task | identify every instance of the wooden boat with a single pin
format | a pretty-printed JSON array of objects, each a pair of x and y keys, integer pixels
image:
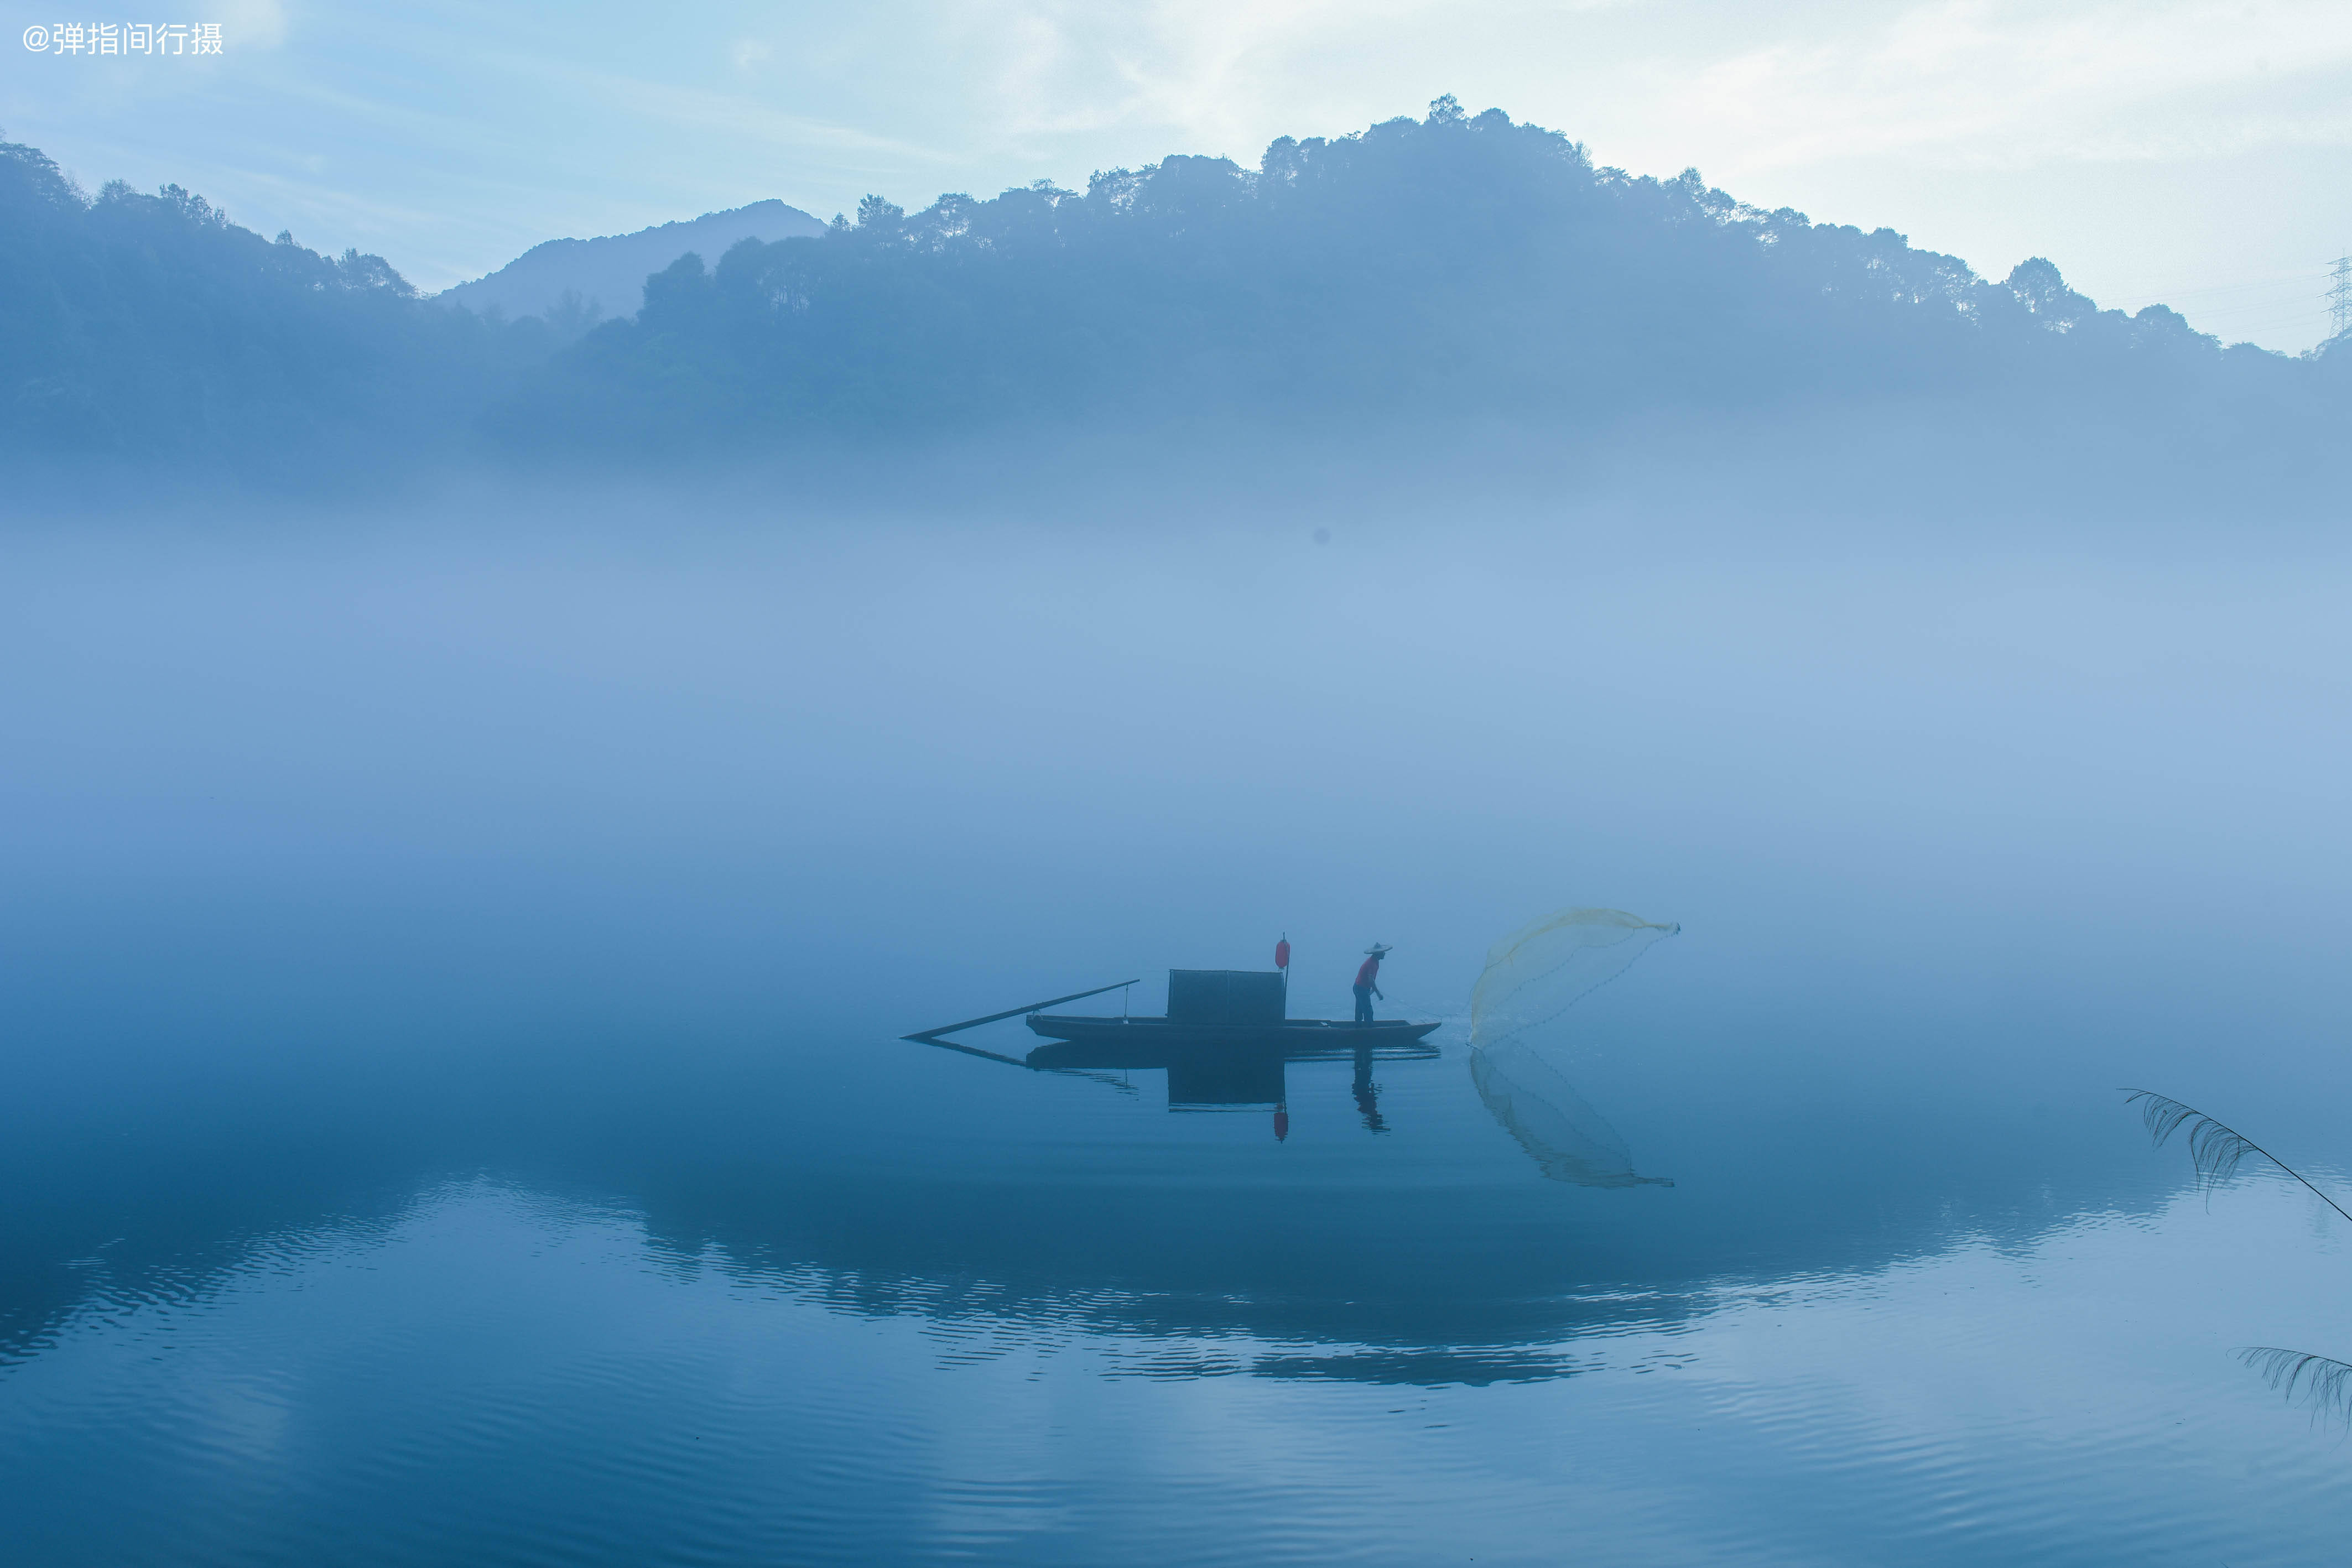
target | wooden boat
[
  {"x": 1224, "y": 1043},
  {"x": 1212, "y": 1013},
  {"x": 1226, "y": 1010}
]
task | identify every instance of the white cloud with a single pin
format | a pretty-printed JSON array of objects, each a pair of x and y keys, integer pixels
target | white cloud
[
  {"x": 1964, "y": 82},
  {"x": 249, "y": 23},
  {"x": 1983, "y": 84}
]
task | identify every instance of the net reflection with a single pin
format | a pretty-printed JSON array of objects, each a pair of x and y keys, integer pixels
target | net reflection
[{"x": 1566, "y": 1138}]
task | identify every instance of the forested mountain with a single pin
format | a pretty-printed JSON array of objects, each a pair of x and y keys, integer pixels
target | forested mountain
[
  {"x": 607, "y": 277},
  {"x": 1456, "y": 260},
  {"x": 152, "y": 330},
  {"x": 1460, "y": 266}
]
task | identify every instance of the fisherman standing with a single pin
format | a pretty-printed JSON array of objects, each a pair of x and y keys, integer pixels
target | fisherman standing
[{"x": 1367, "y": 981}]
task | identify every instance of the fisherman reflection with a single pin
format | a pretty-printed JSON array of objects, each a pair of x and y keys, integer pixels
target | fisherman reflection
[{"x": 1368, "y": 1094}]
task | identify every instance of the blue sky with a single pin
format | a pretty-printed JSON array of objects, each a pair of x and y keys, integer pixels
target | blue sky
[{"x": 2190, "y": 152}]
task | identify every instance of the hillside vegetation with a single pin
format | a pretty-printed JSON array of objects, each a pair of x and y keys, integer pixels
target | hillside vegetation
[{"x": 1456, "y": 266}]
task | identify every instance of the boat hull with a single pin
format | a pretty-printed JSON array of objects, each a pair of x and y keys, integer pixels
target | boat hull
[{"x": 1298, "y": 1039}]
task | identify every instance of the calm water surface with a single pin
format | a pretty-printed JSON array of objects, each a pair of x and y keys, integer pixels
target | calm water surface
[{"x": 456, "y": 1113}]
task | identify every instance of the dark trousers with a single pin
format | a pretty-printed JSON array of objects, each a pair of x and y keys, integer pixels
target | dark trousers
[{"x": 1363, "y": 1004}]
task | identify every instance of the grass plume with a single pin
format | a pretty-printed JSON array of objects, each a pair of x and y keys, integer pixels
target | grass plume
[
  {"x": 2323, "y": 1382},
  {"x": 2215, "y": 1149}
]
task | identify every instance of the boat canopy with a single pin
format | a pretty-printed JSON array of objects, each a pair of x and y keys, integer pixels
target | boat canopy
[{"x": 1225, "y": 996}]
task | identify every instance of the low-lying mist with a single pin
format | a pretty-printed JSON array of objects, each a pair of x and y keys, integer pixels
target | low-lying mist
[
  {"x": 608, "y": 839},
  {"x": 537, "y": 754}
]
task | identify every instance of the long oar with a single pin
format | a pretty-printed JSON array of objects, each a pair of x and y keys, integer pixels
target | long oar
[{"x": 931, "y": 1035}]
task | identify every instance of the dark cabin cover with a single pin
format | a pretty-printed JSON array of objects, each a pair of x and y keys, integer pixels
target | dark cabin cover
[{"x": 1225, "y": 996}]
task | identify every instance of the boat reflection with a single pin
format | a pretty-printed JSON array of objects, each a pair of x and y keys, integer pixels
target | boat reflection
[{"x": 1213, "y": 1077}]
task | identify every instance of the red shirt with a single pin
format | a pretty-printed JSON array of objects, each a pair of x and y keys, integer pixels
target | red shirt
[{"x": 1371, "y": 973}]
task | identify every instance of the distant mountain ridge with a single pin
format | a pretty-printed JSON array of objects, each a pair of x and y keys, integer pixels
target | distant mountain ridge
[
  {"x": 611, "y": 272},
  {"x": 1454, "y": 273}
]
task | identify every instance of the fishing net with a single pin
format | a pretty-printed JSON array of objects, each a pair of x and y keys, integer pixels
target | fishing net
[{"x": 1532, "y": 978}]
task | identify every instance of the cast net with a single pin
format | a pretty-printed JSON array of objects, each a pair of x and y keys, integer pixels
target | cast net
[{"x": 1518, "y": 1039}]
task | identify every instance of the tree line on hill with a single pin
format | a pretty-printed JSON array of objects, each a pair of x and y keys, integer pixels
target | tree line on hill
[{"x": 1455, "y": 267}]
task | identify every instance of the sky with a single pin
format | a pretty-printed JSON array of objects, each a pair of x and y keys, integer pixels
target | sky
[{"x": 2182, "y": 151}]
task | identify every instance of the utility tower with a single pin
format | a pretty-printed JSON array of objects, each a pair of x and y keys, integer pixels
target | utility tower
[{"x": 2339, "y": 297}]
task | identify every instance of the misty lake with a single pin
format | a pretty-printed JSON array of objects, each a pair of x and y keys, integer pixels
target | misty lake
[{"x": 457, "y": 1111}]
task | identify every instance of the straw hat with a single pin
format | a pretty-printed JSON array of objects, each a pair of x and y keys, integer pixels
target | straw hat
[{"x": 1377, "y": 948}]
